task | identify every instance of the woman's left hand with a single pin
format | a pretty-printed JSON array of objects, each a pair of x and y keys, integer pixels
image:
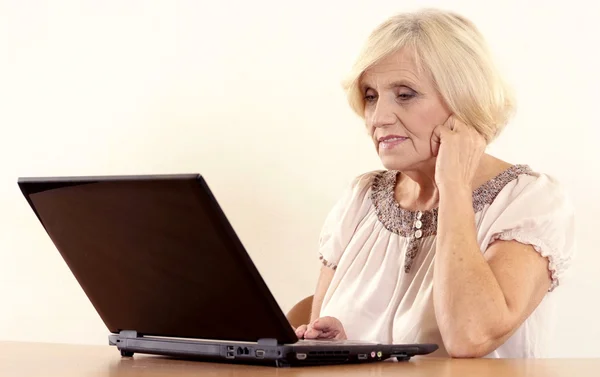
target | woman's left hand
[
  {"x": 322, "y": 328},
  {"x": 458, "y": 148}
]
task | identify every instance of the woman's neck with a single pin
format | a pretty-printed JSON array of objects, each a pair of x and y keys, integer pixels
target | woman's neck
[{"x": 416, "y": 189}]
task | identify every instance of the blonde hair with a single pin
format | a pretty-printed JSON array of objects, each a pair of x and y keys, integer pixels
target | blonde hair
[{"x": 454, "y": 53}]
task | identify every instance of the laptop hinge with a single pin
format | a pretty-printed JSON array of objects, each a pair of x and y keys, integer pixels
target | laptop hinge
[
  {"x": 128, "y": 334},
  {"x": 270, "y": 342}
]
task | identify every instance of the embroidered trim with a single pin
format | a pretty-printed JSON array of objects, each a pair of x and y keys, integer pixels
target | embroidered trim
[
  {"x": 326, "y": 263},
  {"x": 487, "y": 192},
  {"x": 402, "y": 221}
]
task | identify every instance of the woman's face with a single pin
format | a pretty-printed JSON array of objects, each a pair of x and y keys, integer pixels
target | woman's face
[{"x": 402, "y": 108}]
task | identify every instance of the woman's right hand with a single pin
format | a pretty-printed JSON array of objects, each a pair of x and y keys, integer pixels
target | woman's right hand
[{"x": 324, "y": 328}]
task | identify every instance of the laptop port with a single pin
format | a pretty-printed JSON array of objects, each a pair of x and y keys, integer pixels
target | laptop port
[
  {"x": 230, "y": 355},
  {"x": 362, "y": 356},
  {"x": 301, "y": 356},
  {"x": 260, "y": 354}
]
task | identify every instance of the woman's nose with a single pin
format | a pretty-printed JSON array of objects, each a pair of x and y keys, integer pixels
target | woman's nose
[{"x": 383, "y": 114}]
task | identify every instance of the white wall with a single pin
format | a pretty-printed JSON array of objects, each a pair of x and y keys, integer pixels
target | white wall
[{"x": 247, "y": 93}]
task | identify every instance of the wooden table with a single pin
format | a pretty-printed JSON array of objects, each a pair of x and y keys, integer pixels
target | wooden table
[{"x": 49, "y": 360}]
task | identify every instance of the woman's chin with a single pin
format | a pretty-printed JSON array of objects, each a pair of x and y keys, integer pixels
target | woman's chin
[
  {"x": 393, "y": 162},
  {"x": 400, "y": 163}
]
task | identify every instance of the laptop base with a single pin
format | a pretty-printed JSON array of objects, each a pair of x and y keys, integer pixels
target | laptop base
[{"x": 266, "y": 352}]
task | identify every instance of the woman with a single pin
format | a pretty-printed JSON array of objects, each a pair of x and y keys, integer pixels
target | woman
[{"x": 448, "y": 244}]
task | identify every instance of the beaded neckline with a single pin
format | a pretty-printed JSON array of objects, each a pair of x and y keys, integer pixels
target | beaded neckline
[{"x": 419, "y": 224}]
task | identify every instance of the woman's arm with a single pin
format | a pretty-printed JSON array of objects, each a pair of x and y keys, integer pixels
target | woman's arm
[
  {"x": 323, "y": 282},
  {"x": 308, "y": 330},
  {"x": 481, "y": 299},
  {"x": 322, "y": 327}
]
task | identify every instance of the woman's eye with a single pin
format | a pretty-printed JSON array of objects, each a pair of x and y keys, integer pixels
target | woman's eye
[
  {"x": 405, "y": 96},
  {"x": 370, "y": 97}
]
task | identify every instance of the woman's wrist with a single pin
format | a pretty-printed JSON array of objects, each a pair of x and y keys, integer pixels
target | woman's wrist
[
  {"x": 455, "y": 217},
  {"x": 453, "y": 191}
]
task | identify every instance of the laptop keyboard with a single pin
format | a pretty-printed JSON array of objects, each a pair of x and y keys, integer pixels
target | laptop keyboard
[{"x": 309, "y": 342}]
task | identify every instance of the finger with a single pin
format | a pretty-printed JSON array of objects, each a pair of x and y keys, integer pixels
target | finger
[
  {"x": 326, "y": 324},
  {"x": 438, "y": 134},
  {"x": 329, "y": 334},
  {"x": 312, "y": 333},
  {"x": 451, "y": 123},
  {"x": 301, "y": 330}
]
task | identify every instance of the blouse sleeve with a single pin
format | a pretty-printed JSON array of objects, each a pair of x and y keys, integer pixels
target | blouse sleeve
[
  {"x": 535, "y": 210},
  {"x": 343, "y": 219}
]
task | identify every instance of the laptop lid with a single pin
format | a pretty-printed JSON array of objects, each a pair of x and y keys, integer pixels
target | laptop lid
[{"x": 156, "y": 255}]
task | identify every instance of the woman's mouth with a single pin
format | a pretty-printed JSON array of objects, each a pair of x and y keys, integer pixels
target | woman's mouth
[{"x": 390, "y": 141}]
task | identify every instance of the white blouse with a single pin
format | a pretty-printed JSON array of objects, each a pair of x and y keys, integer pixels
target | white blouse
[{"x": 383, "y": 256}]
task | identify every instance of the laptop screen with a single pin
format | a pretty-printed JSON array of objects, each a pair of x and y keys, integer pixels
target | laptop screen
[{"x": 157, "y": 256}]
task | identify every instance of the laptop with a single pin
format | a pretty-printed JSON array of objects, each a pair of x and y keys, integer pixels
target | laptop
[{"x": 167, "y": 274}]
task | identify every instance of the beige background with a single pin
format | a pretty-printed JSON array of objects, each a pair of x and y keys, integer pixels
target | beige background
[{"x": 247, "y": 93}]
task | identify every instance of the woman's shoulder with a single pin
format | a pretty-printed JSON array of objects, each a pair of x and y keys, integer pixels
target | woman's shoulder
[
  {"x": 532, "y": 201},
  {"x": 367, "y": 178},
  {"x": 356, "y": 196},
  {"x": 375, "y": 180},
  {"x": 363, "y": 183},
  {"x": 521, "y": 184}
]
